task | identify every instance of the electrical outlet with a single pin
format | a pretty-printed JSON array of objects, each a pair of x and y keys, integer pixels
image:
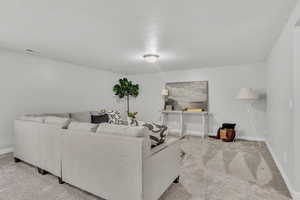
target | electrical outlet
[{"x": 285, "y": 157}]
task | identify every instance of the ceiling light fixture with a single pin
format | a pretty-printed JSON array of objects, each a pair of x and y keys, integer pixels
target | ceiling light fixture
[
  {"x": 29, "y": 50},
  {"x": 151, "y": 58}
]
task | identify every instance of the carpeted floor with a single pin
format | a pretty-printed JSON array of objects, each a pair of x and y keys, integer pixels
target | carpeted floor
[{"x": 211, "y": 170}]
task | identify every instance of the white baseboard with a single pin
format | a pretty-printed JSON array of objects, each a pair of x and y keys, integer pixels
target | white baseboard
[
  {"x": 295, "y": 195},
  {"x": 197, "y": 133},
  {"x": 252, "y": 138},
  {"x": 6, "y": 150},
  {"x": 244, "y": 137}
]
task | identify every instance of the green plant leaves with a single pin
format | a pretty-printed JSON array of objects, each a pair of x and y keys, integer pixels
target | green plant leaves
[
  {"x": 126, "y": 88},
  {"x": 132, "y": 114}
]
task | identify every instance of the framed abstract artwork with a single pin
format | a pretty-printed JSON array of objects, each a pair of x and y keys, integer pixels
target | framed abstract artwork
[{"x": 187, "y": 95}]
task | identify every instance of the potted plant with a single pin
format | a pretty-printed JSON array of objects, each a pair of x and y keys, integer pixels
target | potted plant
[
  {"x": 125, "y": 89},
  {"x": 131, "y": 119}
]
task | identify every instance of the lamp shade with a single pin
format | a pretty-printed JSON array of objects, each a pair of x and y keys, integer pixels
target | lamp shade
[
  {"x": 247, "y": 94},
  {"x": 164, "y": 92}
]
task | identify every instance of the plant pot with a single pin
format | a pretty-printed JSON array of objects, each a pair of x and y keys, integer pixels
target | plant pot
[{"x": 132, "y": 121}]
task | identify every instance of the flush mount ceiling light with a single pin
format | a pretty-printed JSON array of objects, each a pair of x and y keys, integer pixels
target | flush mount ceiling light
[
  {"x": 29, "y": 50},
  {"x": 151, "y": 58}
]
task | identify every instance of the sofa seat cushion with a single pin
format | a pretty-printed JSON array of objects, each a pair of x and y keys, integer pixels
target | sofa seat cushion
[
  {"x": 82, "y": 126},
  {"x": 57, "y": 121},
  {"x": 113, "y": 129}
]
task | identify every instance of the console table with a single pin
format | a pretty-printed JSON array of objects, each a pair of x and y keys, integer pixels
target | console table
[{"x": 181, "y": 115}]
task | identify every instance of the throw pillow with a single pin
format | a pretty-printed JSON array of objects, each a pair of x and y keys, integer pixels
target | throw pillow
[
  {"x": 98, "y": 119},
  {"x": 114, "y": 117},
  {"x": 158, "y": 133}
]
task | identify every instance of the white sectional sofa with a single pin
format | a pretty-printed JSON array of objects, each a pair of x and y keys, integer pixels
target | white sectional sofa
[{"x": 111, "y": 166}]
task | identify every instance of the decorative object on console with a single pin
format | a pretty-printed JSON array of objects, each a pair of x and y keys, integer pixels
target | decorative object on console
[
  {"x": 169, "y": 107},
  {"x": 126, "y": 88},
  {"x": 196, "y": 105},
  {"x": 164, "y": 92},
  {"x": 194, "y": 110},
  {"x": 169, "y": 104}
]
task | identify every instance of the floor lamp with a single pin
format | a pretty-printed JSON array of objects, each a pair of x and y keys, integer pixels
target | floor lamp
[{"x": 249, "y": 96}]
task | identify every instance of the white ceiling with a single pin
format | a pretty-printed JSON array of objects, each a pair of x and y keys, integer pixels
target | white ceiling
[{"x": 115, "y": 34}]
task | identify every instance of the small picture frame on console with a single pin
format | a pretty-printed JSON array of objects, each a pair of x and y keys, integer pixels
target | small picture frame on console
[{"x": 169, "y": 107}]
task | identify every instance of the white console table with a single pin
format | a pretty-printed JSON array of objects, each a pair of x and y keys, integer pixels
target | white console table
[{"x": 203, "y": 117}]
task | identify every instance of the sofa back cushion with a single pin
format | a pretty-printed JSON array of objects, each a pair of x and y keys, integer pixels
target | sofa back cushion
[
  {"x": 82, "y": 126},
  {"x": 81, "y": 116},
  {"x": 30, "y": 118},
  {"x": 62, "y": 115},
  {"x": 113, "y": 129},
  {"x": 59, "y": 121}
]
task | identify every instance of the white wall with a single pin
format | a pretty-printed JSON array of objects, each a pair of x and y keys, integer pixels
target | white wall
[
  {"x": 296, "y": 113},
  {"x": 30, "y": 84},
  {"x": 283, "y": 120},
  {"x": 224, "y": 84}
]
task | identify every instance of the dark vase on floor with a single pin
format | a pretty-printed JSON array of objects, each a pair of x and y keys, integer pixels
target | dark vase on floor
[
  {"x": 230, "y": 135},
  {"x": 228, "y": 132}
]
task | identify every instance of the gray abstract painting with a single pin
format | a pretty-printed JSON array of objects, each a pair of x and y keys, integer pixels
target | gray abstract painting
[{"x": 192, "y": 95}]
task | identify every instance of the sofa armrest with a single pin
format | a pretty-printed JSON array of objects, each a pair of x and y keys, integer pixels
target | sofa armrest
[{"x": 161, "y": 168}]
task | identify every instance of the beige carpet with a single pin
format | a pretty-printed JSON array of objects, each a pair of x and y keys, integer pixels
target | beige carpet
[{"x": 211, "y": 170}]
